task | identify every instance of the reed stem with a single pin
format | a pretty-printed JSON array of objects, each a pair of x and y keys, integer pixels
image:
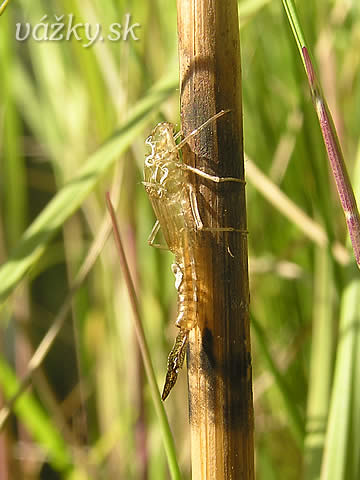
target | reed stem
[{"x": 219, "y": 360}]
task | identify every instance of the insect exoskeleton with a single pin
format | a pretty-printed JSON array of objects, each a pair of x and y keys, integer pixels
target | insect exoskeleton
[
  {"x": 162, "y": 170},
  {"x": 174, "y": 201},
  {"x": 187, "y": 288}
]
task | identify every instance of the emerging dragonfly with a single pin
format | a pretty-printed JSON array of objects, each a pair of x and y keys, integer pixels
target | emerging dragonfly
[{"x": 173, "y": 199}]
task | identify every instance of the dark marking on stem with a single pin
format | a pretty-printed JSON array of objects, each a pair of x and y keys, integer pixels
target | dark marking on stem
[{"x": 208, "y": 357}]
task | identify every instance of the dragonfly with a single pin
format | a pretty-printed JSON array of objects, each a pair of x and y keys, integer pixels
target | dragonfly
[{"x": 173, "y": 198}]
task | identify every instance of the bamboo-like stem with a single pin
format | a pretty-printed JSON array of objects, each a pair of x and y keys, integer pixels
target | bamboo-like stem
[{"x": 219, "y": 360}]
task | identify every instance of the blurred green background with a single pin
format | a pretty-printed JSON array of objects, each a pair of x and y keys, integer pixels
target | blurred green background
[{"x": 73, "y": 120}]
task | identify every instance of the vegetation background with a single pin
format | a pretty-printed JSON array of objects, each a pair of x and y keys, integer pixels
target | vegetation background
[{"x": 73, "y": 121}]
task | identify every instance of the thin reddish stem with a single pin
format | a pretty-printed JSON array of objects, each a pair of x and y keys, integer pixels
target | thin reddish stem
[{"x": 336, "y": 159}]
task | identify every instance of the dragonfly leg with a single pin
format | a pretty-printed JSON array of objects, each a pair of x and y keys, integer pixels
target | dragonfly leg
[
  {"x": 198, "y": 129},
  {"x": 195, "y": 209},
  {"x": 199, "y": 223},
  {"x": 213, "y": 178},
  {"x": 152, "y": 236}
]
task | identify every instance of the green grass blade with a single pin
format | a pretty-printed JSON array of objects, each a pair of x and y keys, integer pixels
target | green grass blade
[
  {"x": 36, "y": 420},
  {"x": 291, "y": 13},
  {"x": 3, "y": 6},
  {"x": 13, "y": 165},
  {"x": 290, "y": 405},
  {"x": 320, "y": 366},
  {"x": 336, "y": 465},
  {"x": 145, "y": 351},
  {"x": 70, "y": 197},
  {"x": 341, "y": 459}
]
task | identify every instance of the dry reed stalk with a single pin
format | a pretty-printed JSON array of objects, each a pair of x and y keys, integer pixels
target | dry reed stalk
[{"x": 219, "y": 360}]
